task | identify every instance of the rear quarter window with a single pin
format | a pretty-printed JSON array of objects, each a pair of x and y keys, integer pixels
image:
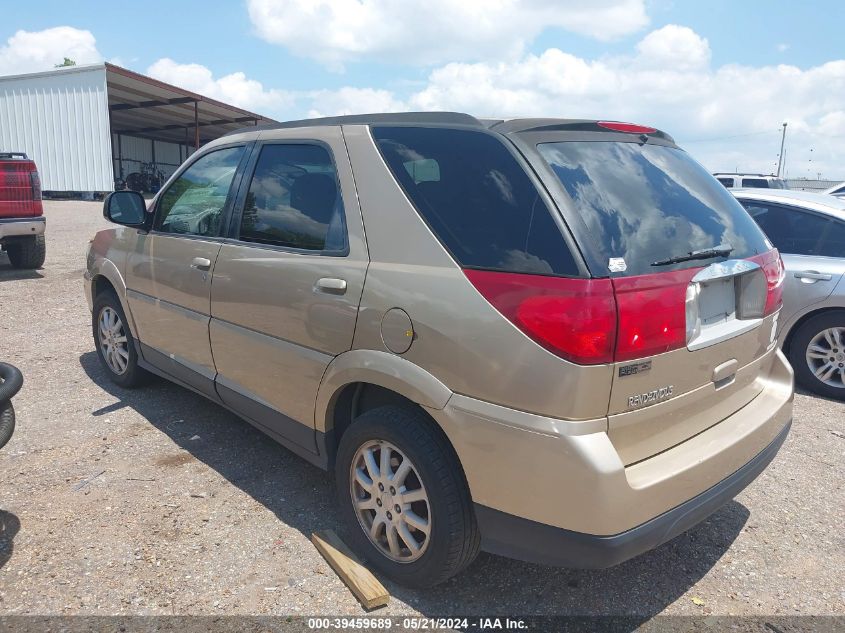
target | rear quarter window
[
  {"x": 476, "y": 198},
  {"x": 644, "y": 203}
]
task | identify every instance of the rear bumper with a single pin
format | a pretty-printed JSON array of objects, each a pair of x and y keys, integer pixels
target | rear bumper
[
  {"x": 515, "y": 537},
  {"x": 556, "y": 490},
  {"x": 16, "y": 227}
]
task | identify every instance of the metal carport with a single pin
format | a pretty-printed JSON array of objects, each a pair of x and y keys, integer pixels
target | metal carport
[
  {"x": 172, "y": 120},
  {"x": 89, "y": 126}
]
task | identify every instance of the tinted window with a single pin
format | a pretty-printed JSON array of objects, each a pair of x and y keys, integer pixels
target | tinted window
[
  {"x": 476, "y": 198},
  {"x": 798, "y": 232},
  {"x": 758, "y": 183},
  {"x": 194, "y": 203},
  {"x": 294, "y": 200},
  {"x": 645, "y": 203},
  {"x": 728, "y": 182},
  {"x": 833, "y": 244}
]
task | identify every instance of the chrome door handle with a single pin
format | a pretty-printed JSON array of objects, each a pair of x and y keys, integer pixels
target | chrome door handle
[
  {"x": 201, "y": 263},
  {"x": 812, "y": 275},
  {"x": 331, "y": 286}
]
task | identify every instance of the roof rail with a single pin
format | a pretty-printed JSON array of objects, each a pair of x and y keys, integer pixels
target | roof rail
[{"x": 422, "y": 118}]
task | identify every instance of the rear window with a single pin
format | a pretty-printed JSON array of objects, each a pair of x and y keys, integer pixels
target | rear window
[
  {"x": 645, "y": 203},
  {"x": 756, "y": 183},
  {"x": 476, "y": 198}
]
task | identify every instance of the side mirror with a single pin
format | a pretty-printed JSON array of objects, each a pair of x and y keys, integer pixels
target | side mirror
[{"x": 125, "y": 207}]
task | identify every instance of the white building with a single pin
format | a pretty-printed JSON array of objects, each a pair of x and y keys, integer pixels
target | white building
[{"x": 88, "y": 126}]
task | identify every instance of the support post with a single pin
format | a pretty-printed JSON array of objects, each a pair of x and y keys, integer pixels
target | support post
[
  {"x": 782, "y": 141},
  {"x": 196, "y": 126},
  {"x": 120, "y": 155}
]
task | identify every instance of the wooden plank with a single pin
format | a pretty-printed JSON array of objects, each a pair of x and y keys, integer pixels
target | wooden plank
[{"x": 366, "y": 587}]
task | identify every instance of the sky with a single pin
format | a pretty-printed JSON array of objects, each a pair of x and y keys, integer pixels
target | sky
[{"x": 721, "y": 77}]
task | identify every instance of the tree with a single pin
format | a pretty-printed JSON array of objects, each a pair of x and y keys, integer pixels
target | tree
[{"x": 68, "y": 62}]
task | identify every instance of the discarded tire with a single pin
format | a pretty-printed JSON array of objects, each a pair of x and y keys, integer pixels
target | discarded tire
[{"x": 11, "y": 381}]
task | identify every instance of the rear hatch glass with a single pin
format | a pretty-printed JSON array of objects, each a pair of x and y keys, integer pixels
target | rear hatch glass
[
  {"x": 643, "y": 203},
  {"x": 659, "y": 219}
]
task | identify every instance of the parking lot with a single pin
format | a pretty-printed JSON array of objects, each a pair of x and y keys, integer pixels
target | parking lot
[{"x": 160, "y": 502}]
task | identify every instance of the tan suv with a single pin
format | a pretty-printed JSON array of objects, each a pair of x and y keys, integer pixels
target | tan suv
[{"x": 544, "y": 338}]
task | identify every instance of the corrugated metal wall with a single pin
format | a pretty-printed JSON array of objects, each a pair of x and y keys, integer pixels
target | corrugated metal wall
[
  {"x": 135, "y": 151},
  {"x": 804, "y": 184},
  {"x": 61, "y": 120}
]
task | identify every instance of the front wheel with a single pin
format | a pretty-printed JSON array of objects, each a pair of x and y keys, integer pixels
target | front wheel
[
  {"x": 817, "y": 354},
  {"x": 403, "y": 497},
  {"x": 114, "y": 342}
]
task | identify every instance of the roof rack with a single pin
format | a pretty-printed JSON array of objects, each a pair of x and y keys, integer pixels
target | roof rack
[{"x": 437, "y": 118}]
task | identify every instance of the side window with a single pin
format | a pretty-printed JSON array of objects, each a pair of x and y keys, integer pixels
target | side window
[
  {"x": 194, "y": 203},
  {"x": 728, "y": 182},
  {"x": 476, "y": 198},
  {"x": 791, "y": 231},
  {"x": 833, "y": 243},
  {"x": 294, "y": 200}
]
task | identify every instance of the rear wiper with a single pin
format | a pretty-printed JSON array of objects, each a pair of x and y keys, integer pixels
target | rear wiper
[{"x": 704, "y": 253}]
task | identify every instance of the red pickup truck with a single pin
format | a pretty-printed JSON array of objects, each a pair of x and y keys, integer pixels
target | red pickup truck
[{"x": 22, "y": 219}]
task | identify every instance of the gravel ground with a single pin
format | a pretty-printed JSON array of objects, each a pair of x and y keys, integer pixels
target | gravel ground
[{"x": 160, "y": 502}]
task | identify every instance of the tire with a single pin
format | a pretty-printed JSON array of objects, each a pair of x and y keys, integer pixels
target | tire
[
  {"x": 7, "y": 422},
  {"x": 132, "y": 375},
  {"x": 28, "y": 252},
  {"x": 11, "y": 381},
  {"x": 453, "y": 540},
  {"x": 812, "y": 333}
]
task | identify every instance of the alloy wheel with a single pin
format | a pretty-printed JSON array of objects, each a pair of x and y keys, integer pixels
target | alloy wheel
[
  {"x": 826, "y": 356},
  {"x": 114, "y": 345},
  {"x": 390, "y": 501}
]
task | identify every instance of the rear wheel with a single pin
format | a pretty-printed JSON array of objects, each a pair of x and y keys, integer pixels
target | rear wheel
[
  {"x": 817, "y": 354},
  {"x": 114, "y": 342},
  {"x": 27, "y": 252},
  {"x": 403, "y": 496}
]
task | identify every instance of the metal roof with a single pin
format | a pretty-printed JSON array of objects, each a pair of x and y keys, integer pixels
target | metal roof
[
  {"x": 410, "y": 118},
  {"x": 504, "y": 126},
  {"x": 143, "y": 106}
]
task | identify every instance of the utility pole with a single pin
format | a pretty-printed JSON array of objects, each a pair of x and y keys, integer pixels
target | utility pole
[{"x": 782, "y": 141}]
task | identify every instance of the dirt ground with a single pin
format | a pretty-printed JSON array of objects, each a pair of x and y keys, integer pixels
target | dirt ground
[{"x": 160, "y": 502}]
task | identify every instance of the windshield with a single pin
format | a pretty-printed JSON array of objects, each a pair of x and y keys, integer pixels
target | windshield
[{"x": 648, "y": 203}]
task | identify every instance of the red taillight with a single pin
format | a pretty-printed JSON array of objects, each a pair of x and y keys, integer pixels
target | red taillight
[
  {"x": 772, "y": 265},
  {"x": 573, "y": 318},
  {"x": 595, "y": 321},
  {"x": 35, "y": 183},
  {"x": 652, "y": 313},
  {"x": 630, "y": 128}
]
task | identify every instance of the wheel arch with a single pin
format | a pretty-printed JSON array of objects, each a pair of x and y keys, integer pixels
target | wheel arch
[
  {"x": 361, "y": 380},
  {"x": 787, "y": 341},
  {"x": 106, "y": 276}
]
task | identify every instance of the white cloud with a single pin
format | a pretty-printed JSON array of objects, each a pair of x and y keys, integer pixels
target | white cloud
[
  {"x": 669, "y": 83},
  {"x": 353, "y": 101},
  {"x": 336, "y": 32},
  {"x": 32, "y": 51},
  {"x": 674, "y": 46},
  {"x": 728, "y": 117},
  {"x": 234, "y": 88}
]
